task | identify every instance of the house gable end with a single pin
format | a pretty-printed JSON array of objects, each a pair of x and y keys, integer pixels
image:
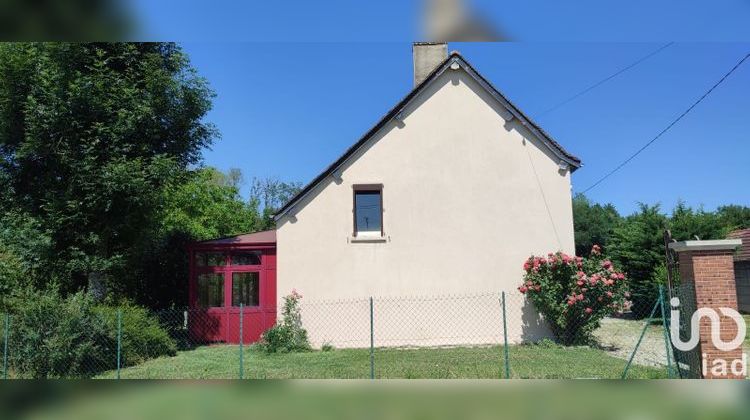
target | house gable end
[{"x": 455, "y": 62}]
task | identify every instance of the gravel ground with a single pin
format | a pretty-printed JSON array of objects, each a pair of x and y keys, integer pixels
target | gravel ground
[{"x": 620, "y": 336}]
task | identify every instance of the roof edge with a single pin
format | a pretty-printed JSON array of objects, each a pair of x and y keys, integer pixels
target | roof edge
[{"x": 554, "y": 146}]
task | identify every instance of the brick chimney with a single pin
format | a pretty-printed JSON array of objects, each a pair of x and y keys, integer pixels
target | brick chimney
[{"x": 427, "y": 56}]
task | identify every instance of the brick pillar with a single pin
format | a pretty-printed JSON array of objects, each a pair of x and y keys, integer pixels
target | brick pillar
[{"x": 708, "y": 267}]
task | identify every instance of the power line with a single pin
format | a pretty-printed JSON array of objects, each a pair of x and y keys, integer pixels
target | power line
[
  {"x": 608, "y": 78},
  {"x": 708, "y": 92}
]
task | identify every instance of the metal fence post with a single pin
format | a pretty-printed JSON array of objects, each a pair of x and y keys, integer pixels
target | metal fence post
[
  {"x": 5, "y": 346},
  {"x": 638, "y": 344},
  {"x": 505, "y": 340},
  {"x": 667, "y": 342},
  {"x": 242, "y": 357},
  {"x": 119, "y": 341},
  {"x": 372, "y": 341}
]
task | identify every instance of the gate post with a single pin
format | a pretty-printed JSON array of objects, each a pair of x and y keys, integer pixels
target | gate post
[
  {"x": 119, "y": 341},
  {"x": 372, "y": 341},
  {"x": 707, "y": 272},
  {"x": 242, "y": 357},
  {"x": 5, "y": 346}
]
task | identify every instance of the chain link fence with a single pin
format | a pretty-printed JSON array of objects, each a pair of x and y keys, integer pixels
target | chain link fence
[{"x": 483, "y": 336}]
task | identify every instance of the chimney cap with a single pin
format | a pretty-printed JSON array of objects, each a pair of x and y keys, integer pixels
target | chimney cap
[{"x": 428, "y": 43}]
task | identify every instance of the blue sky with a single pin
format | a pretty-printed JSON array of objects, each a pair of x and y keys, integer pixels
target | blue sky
[{"x": 287, "y": 110}]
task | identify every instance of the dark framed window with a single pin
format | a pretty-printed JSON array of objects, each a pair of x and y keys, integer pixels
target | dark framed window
[
  {"x": 245, "y": 289},
  {"x": 211, "y": 290},
  {"x": 368, "y": 210},
  {"x": 245, "y": 258}
]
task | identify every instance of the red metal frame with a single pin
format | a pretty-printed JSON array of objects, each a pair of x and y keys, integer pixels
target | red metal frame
[{"x": 221, "y": 324}]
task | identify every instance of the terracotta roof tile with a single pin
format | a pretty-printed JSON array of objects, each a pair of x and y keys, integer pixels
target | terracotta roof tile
[{"x": 743, "y": 254}]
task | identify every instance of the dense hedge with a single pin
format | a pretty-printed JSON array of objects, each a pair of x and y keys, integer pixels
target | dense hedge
[
  {"x": 59, "y": 338},
  {"x": 54, "y": 337}
]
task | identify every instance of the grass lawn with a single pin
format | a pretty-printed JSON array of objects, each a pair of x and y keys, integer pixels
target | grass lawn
[{"x": 527, "y": 361}]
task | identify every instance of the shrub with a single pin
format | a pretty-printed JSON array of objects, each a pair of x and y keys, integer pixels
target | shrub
[
  {"x": 59, "y": 338},
  {"x": 55, "y": 337},
  {"x": 143, "y": 337},
  {"x": 287, "y": 335},
  {"x": 574, "y": 293}
]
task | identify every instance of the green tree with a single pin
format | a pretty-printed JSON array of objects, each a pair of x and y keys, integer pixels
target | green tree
[
  {"x": 203, "y": 204},
  {"x": 734, "y": 217},
  {"x": 268, "y": 195},
  {"x": 90, "y": 135},
  {"x": 686, "y": 223},
  {"x": 637, "y": 246},
  {"x": 208, "y": 206},
  {"x": 593, "y": 223}
]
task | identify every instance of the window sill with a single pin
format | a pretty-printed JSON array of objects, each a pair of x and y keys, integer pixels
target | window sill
[{"x": 368, "y": 239}]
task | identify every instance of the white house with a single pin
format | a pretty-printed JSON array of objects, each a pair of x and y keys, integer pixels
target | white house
[{"x": 449, "y": 193}]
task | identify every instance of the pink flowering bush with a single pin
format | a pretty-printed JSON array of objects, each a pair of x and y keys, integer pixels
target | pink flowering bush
[
  {"x": 288, "y": 335},
  {"x": 574, "y": 293}
]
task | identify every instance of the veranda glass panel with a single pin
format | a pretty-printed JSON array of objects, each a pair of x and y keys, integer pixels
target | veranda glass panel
[
  {"x": 211, "y": 290},
  {"x": 246, "y": 258},
  {"x": 210, "y": 259},
  {"x": 245, "y": 287}
]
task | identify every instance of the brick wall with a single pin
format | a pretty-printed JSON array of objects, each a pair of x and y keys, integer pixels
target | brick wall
[{"x": 712, "y": 275}]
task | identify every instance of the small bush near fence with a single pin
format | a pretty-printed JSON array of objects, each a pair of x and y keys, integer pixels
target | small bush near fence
[
  {"x": 142, "y": 336},
  {"x": 54, "y": 337},
  {"x": 287, "y": 335}
]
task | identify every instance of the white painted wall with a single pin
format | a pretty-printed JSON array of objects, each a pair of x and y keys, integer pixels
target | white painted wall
[{"x": 467, "y": 198}]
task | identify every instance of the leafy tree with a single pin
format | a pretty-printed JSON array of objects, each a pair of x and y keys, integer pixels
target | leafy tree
[
  {"x": 269, "y": 195},
  {"x": 734, "y": 217},
  {"x": 686, "y": 223},
  {"x": 90, "y": 135},
  {"x": 593, "y": 223},
  {"x": 203, "y": 204},
  {"x": 637, "y": 247},
  {"x": 208, "y": 206},
  {"x": 25, "y": 248}
]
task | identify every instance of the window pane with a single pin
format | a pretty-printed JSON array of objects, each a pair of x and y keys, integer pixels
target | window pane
[
  {"x": 210, "y": 259},
  {"x": 245, "y": 289},
  {"x": 368, "y": 211},
  {"x": 246, "y": 258},
  {"x": 211, "y": 290}
]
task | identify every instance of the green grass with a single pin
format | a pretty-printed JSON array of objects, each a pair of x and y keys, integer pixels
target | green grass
[{"x": 527, "y": 361}]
